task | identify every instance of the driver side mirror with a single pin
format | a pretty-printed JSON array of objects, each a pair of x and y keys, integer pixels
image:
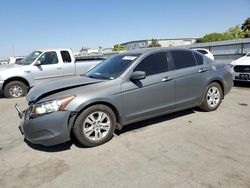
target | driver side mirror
[
  {"x": 138, "y": 75},
  {"x": 37, "y": 63}
]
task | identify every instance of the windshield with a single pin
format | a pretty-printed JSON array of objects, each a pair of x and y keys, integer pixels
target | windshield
[
  {"x": 30, "y": 58},
  {"x": 113, "y": 67}
]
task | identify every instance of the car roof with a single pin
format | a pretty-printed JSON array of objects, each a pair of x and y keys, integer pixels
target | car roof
[{"x": 148, "y": 50}]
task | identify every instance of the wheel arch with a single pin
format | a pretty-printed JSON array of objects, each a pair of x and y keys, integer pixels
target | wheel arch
[
  {"x": 21, "y": 79},
  {"x": 81, "y": 108}
]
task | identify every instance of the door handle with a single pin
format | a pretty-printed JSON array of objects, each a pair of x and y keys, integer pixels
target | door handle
[
  {"x": 166, "y": 79},
  {"x": 59, "y": 68},
  {"x": 203, "y": 70}
]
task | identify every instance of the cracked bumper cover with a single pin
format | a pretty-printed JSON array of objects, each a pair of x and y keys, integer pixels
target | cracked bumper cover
[{"x": 49, "y": 129}]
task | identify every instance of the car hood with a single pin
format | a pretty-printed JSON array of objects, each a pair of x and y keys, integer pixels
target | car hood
[
  {"x": 49, "y": 88},
  {"x": 242, "y": 61},
  {"x": 9, "y": 66}
]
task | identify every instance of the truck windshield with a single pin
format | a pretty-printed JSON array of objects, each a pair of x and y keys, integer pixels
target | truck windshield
[
  {"x": 113, "y": 67},
  {"x": 30, "y": 58}
]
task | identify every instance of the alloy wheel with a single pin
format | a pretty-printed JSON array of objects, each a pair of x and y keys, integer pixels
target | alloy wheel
[{"x": 96, "y": 126}]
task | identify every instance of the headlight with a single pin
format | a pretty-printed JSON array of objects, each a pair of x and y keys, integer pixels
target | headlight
[{"x": 51, "y": 106}]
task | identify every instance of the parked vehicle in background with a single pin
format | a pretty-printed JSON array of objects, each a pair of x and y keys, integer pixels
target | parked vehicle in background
[
  {"x": 13, "y": 60},
  {"x": 241, "y": 68},
  {"x": 126, "y": 88},
  {"x": 3, "y": 62},
  {"x": 41, "y": 66},
  {"x": 205, "y": 52}
]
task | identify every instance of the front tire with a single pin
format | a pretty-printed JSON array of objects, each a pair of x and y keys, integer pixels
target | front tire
[
  {"x": 213, "y": 97},
  {"x": 15, "y": 89},
  {"x": 95, "y": 126}
]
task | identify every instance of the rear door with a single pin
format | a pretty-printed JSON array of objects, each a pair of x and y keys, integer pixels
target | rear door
[
  {"x": 49, "y": 69},
  {"x": 191, "y": 77},
  {"x": 152, "y": 95}
]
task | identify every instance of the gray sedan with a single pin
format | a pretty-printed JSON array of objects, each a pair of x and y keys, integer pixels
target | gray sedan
[{"x": 126, "y": 88}]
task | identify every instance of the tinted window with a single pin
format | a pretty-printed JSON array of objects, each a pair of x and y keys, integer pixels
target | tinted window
[
  {"x": 66, "y": 56},
  {"x": 199, "y": 58},
  {"x": 153, "y": 64},
  {"x": 202, "y": 51},
  {"x": 183, "y": 59},
  {"x": 48, "y": 58}
]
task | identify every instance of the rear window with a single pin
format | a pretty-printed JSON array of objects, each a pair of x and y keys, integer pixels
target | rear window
[
  {"x": 183, "y": 59},
  {"x": 199, "y": 58},
  {"x": 66, "y": 57},
  {"x": 202, "y": 51}
]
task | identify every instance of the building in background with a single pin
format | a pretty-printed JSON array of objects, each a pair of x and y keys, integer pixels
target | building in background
[{"x": 163, "y": 42}]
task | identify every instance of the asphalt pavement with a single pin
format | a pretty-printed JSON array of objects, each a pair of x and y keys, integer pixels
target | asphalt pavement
[{"x": 186, "y": 149}]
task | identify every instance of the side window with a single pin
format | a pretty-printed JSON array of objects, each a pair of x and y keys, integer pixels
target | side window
[
  {"x": 66, "y": 57},
  {"x": 199, "y": 58},
  {"x": 153, "y": 64},
  {"x": 183, "y": 59},
  {"x": 48, "y": 58}
]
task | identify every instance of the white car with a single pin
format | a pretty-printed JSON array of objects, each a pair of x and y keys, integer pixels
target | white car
[
  {"x": 241, "y": 68},
  {"x": 205, "y": 52}
]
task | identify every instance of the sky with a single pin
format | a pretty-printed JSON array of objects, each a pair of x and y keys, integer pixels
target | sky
[{"x": 27, "y": 25}]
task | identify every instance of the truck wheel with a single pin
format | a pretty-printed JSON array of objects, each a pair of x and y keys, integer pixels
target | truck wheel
[
  {"x": 15, "y": 89},
  {"x": 213, "y": 97},
  {"x": 95, "y": 126}
]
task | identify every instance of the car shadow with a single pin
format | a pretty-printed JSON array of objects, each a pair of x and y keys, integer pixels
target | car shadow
[
  {"x": 57, "y": 148},
  {"x": 128, "y": 128},
  {"x": 242, "y": 84}
]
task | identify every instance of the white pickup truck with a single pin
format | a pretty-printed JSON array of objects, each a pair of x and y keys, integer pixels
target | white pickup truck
[{"x": 41, "y": 66}]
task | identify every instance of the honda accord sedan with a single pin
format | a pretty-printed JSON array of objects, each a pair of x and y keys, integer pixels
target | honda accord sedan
[{"x": 126, "y": 88}]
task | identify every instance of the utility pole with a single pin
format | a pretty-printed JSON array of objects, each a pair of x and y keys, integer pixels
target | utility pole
[{"x": 13, "y": 50}]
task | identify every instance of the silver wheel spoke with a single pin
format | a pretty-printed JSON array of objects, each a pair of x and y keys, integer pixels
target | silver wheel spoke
[
  {"x": 104, "y": 128},
  {"x": 96, "y": 126},
  {"x": 88, "y": 133},
  {"x": 213, "y": 96},
  {"x": 88, "y": 120},
  {"x": 86, "y": 130},
  {"x": 15, "y": 91},
  {"x": 96, "y": 135}
]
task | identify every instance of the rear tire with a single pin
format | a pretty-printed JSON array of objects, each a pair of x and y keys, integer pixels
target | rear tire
[
  {"x": 15, "y": 89},
  {"x": 213, "y": 97},
  {"x": 95, "y": 126}
]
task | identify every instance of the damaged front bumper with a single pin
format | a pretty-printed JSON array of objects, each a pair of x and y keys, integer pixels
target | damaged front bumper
[{"x": 48, "y": 129}]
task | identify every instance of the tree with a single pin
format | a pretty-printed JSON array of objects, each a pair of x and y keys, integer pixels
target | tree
[
  {"x": 154, "y": 43},
  {"x": 246, "y": 28},
  {"x": 119, "y": 47},
  {"x": 211, "y": 37},
  {"x": 233, "y": 33}
]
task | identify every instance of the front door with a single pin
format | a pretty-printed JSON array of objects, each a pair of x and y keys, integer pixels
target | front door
[
  {"x": 153, "y": 95},
  {"x": 49, "y": 68}
]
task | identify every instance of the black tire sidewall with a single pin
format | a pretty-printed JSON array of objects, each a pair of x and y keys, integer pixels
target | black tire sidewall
[
  {"x": 13, "y": 83},
  {"x": 78, "y": 126}
]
